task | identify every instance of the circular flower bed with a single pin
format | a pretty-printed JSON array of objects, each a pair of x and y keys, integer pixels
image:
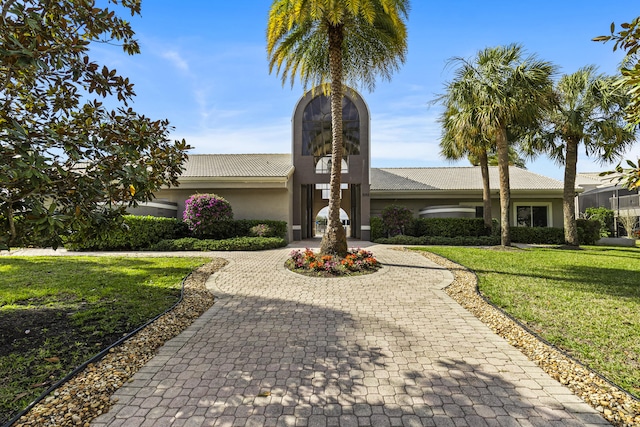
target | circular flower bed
[{"x": 356, "y": 262}]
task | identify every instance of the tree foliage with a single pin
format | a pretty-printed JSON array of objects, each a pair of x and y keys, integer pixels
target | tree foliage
[
  {"x": 627, "y": 38},
  {"x": 588, "y": 112},
  {"x": 502, "y": 94},
  {"x": 67, "y": 162}
]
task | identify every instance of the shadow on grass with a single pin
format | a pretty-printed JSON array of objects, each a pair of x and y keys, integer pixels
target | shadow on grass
[{"x": 56, "y": 313}]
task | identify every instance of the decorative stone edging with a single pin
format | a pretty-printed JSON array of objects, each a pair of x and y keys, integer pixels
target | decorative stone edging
[{"x": 616, "y": 405}]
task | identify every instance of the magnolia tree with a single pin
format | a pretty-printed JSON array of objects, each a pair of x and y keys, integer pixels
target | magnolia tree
[{"x": 67, "y": 162}]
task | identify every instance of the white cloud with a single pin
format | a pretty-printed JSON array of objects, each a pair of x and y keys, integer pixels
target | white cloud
[
  {"x": 412, "y": 139},
  {"x": 176, "y": 60},
  {"x": 271, "y": 138}
]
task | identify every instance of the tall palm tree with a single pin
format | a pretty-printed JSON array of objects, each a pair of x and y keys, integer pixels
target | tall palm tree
[
  {"x": 508, "y": 90},
  {"x": 461, "y": 139},
  {"x": 589, "y": 110},
  {"x": 331, "y": 43}
]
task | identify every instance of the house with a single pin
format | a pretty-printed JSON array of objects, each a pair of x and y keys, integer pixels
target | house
[
  {"x": 295, "y": 187},
  {"x": 604, "y": 191}
]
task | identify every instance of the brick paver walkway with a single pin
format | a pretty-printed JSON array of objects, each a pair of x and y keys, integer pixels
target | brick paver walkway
[{"x": 388, "y": 349}]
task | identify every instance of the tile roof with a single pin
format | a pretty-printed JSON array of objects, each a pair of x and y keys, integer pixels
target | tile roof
[
  {"x": 382, "y": 179},
  {"x": 238, "y": 165},
  {"x": 456, "y": 178},
  {"x": 594, "y": 180}
]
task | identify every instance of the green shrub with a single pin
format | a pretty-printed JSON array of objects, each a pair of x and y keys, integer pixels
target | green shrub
[
  {"x": 396, "y": 219},
  {"x": 588, "y": 234},
  {"x": 242, "y": 227},
  {"x": 233, "y": 244},
  {"x": 439, "y": 240},
  {"x": 203, "y": 213},
  {"x": 377, "y": 229},
  {"x": 135, "y": 233},
  {"x": 604, "y": 216},
  {"x": 449, "y": 227},
  {"x": 589, "y": 231},
  {"x": 537, "y": 235}
]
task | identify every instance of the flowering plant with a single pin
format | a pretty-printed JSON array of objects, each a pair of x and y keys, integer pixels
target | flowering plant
[
  {"x": 260, "y": 230},
  {"x": 202, "y": 211},
  {"x": 356, "y": 261}
]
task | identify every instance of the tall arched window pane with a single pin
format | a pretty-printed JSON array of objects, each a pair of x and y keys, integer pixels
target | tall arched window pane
[{"x": 316, "y": 129}]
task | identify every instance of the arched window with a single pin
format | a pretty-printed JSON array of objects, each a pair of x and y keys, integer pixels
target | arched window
[{"x": 316, "y": 131}]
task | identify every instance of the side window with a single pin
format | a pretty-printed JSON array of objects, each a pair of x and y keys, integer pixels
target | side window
[{"x": 532, "y": 215}]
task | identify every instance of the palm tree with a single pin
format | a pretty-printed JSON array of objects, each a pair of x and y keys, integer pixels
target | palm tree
[
  {"x": 508, "y": 90},
  {"x": 589, "y": 110},
  {"x": 460, "y": 138},
  {"x": 515, "y": 158},
  {"x": 331, "y": 43}
]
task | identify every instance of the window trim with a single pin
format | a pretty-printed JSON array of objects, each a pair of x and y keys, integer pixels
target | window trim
[{"x": 516, "y": 205}]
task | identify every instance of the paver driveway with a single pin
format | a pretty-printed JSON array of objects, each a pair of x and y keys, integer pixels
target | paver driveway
[{"x": 387, "y": 349}]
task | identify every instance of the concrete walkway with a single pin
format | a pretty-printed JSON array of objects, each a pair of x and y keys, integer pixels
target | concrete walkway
[{"x": 387, "y": 349}]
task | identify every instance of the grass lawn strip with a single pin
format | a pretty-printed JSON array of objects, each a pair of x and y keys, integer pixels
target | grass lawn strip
[
  {"x": 618, "y": 407},
  {"x": 57, "y": 312},
  {"x": 88, "y": 394}
]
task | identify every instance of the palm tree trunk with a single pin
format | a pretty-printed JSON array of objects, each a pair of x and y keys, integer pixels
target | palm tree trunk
[
  {"x": 569, "y": 194},
  {"x": 486, "y": 190},
  {"x": 334, "y": 241},
  {"x": 505, "y": 190}
]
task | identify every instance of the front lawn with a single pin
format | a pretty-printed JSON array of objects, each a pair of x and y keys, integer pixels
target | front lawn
[
  {"x": 586, "y": 302},
  {"x": 57, "y": 312}
]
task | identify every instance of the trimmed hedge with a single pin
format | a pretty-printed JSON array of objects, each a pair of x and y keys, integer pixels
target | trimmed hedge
[
  {"x": 436, "y": 227},
  {"x": 439, "y": 240},
  {"x": 228, "y": 229},
  {"x": 588, "y": 234},
  {"x": 136, "y": 233},
  {"x": 448, "y": 227},
  {"x": 144, "y": 232},
  {"x": 233, "y": 244},
  {"x": 471, "y": 232}
]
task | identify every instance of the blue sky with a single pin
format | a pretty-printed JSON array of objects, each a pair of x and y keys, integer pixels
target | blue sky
[{"x": 204, "y": 67}]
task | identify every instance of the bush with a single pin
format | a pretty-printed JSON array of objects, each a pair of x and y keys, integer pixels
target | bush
[
  {"x": 439, "y": 240},
  {"x": 233, "y": 244},
  {"x": 537, "y": 235},
  {"x": 135, "y": 233},
  {"x": 449, "y": 227},
  {"x": 396, "y": 219},
  {"x": 243, "y": 227},
  {"x": 203, "y": 214},
  {"x": 604, "y": 216},
  {"x": 589, "y": 231},
  {"x": 377, "y": 229},
  {"x": 588, "y": 234}
]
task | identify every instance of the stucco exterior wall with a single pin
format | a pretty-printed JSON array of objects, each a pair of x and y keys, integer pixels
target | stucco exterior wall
[
  {"x": 266, "y": 203},
  {"x": 417, "y": 203}
]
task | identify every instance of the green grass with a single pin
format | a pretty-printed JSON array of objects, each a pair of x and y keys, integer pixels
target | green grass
[
  {"x": 586, "y": 302},
  {"x": 57, "y": 312}
]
